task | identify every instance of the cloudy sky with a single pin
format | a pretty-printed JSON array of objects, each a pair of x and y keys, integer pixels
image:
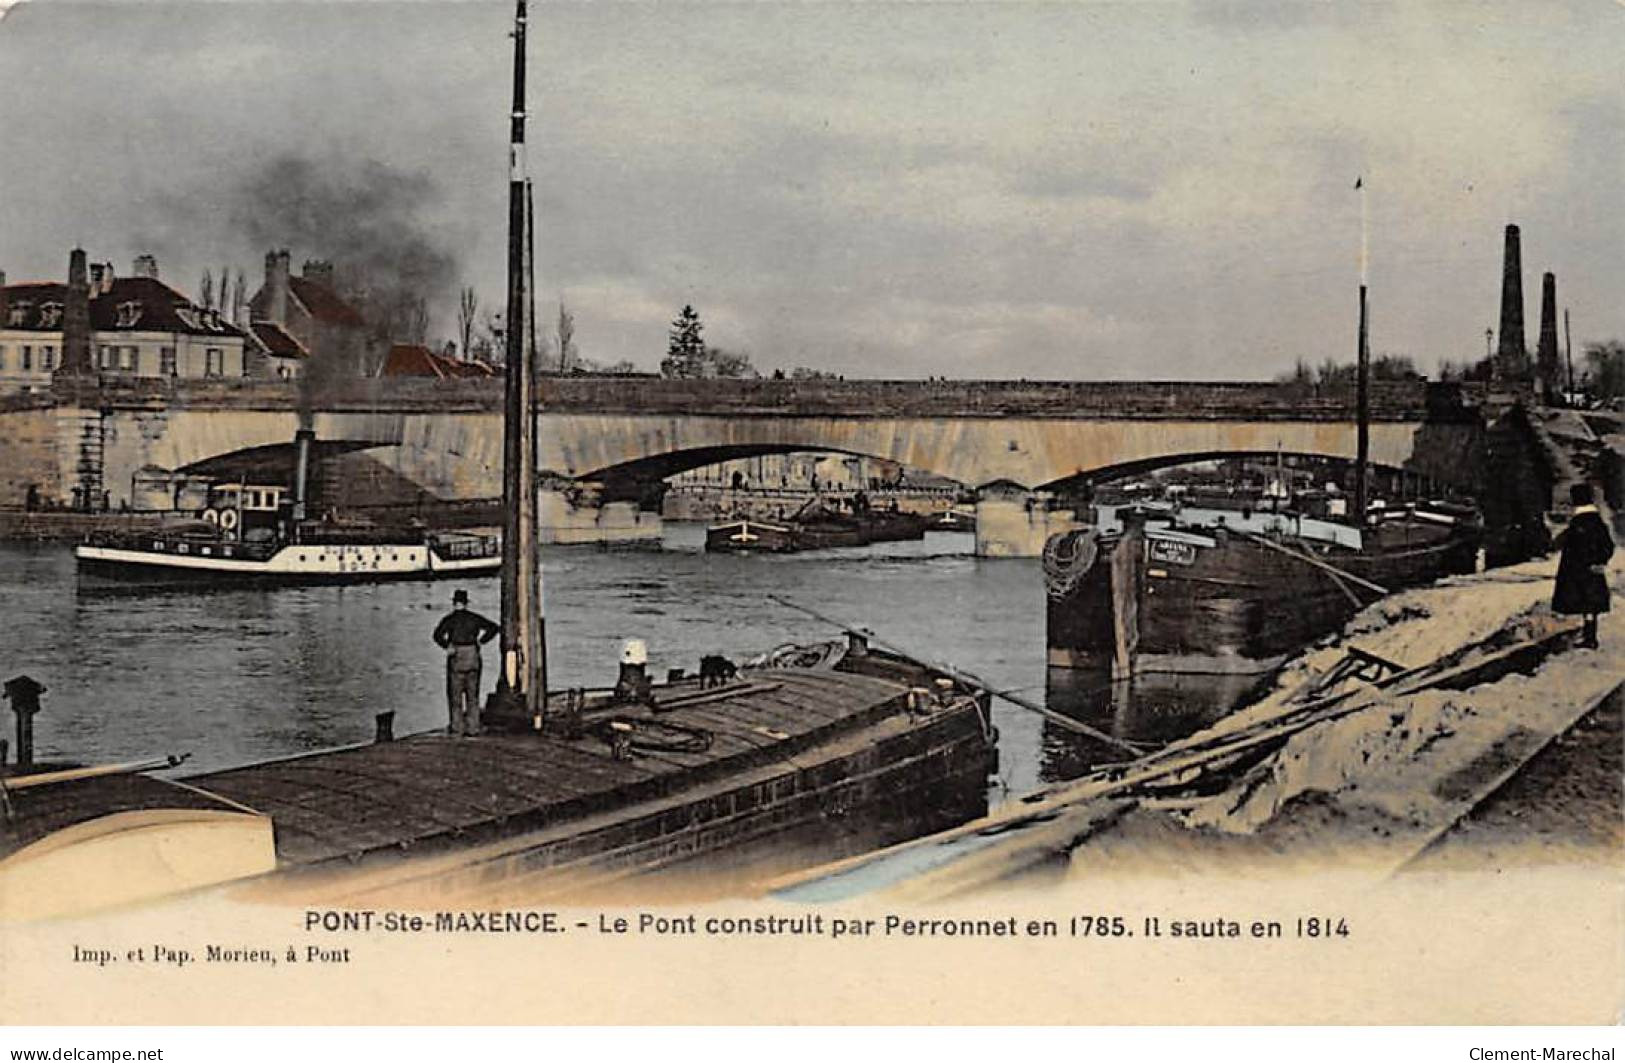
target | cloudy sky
[{"x": 1083, "y": 190}]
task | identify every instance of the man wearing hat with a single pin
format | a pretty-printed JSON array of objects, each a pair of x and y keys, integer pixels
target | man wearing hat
[
  {"x": 1582, "y": 581},
  {"x": 460, "y": 633}
]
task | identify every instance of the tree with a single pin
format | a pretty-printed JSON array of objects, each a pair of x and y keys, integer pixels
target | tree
[
  {"x": 1605, "y": 370},
  {"x": 731, "y": 365},
  {"x": 468, "y": 309},
  {"x": 1300, "y": 375},
  {"x": 685, "y": 349},
  {"x": 802, "y": 372},
  {"x": 1394, "y": 367},
  {"x": 206, "y": 290},
  {"x": 569, "y": 358}
]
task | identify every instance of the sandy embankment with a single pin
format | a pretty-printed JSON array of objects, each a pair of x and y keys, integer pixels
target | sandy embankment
[{"x": 1393, "y": 779}]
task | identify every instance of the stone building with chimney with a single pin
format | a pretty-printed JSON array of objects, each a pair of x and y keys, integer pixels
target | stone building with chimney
[
  {"x": 134, "y": 327},
  {"x": 305, "y": 319}
]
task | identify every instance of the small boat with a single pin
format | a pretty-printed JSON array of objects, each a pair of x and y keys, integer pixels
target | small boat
[
  {"x": 816, "y": 526},
  {"x": 952, "y": 520},
  {"x": 259, "y": 533}
]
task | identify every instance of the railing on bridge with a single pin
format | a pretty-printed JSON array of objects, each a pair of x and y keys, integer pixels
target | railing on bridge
[{"x": 1390, "y": 400}]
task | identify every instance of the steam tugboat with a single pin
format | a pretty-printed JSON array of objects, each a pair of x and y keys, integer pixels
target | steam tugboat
[{"x": 261, "y": 533}]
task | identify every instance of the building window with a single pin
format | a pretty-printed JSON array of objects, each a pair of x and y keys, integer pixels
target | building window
[
  {"x": 166, "y": 361},
  {"x": 28, "y": 358},
  {"x": 126, "y": 358},
  {"x": 2, "y": 359},
  {"x": 214, "y": 362},
  {"x": 47, "y": 358},
  {"x": 104, "y": 358}
]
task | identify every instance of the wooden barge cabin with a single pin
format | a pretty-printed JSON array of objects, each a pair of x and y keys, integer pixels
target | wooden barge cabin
[{"x": 784, "y": 766}]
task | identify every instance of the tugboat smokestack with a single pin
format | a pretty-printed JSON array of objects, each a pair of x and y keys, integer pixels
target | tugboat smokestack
[{"x": 301, "y": 471}]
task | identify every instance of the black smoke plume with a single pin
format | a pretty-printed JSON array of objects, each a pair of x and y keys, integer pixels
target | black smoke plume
[{"x": 367, "y": 218}]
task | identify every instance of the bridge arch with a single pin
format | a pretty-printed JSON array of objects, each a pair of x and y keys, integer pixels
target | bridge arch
[{"x": 975, "y": 451}]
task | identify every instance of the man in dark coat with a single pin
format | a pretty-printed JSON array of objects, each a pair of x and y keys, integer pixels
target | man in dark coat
[
  {"x": 1582, "y": 585},
  {"x": 460, "y": 633}
]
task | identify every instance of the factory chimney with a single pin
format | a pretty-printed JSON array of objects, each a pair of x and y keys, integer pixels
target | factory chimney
[
  {"x": 1511, "y": 356},
  {"x": 1546, "y": 360}
]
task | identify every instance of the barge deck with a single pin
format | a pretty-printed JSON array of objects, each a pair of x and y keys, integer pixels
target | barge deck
[{"x": 787, "y": 766}]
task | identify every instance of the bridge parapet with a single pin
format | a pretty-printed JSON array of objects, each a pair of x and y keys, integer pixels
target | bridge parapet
[{"x": 1390, "y": 400}]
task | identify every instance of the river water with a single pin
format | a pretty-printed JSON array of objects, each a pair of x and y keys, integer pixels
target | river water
[{"x": 229, "y": 675}]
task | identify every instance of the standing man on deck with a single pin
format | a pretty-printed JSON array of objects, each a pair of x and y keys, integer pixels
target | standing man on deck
[{"x": 460, "y": 633}]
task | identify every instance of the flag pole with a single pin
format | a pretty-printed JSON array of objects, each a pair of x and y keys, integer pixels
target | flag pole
[{"x": 1362, "y": 398}]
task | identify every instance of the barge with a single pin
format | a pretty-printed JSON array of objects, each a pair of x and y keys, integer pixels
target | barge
[
  {"x": 1233, "y": 597},
  {"x": 816, "y": 527},
  {"x": 786, "y": 765}
]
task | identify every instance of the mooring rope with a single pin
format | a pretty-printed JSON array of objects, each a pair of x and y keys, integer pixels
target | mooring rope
[{"x": 1068, "y": 557}]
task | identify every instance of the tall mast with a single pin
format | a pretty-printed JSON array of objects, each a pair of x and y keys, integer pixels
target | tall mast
[
  {"x": 520, "y": 688},
  {"x": 1362, "y": 393},
  {"x": 1568, "y": 343}
]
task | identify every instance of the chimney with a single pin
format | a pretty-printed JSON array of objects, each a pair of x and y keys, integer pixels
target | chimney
[
  {"x": 76, "y": 316},
  {"x": 1511, "y": 355},
  {"x": 276, "y": 287},
  {"x": 301, "y": 472},
  {"x": 4, "y": 300},
  {"x": 1546, "y": 360},
  {"x": 144, "y": 266},
  {"x": 318, "y": 270}
]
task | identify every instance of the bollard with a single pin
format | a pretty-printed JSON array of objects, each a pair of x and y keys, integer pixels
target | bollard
[
  {"x": 23, "y": 692},
  {"x": 384, "y": 727}
]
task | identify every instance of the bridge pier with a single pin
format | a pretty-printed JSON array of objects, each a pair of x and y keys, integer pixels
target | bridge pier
[
  {"x": 1012, "y": 521},
  {"x": 581, "y": 514}
]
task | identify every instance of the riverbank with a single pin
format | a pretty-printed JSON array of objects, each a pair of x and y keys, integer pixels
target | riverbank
[
  {"x": 65, "y": 526},
  {"x": 1454, "y": 768},
  {"x": 1495, "y": 744}
]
